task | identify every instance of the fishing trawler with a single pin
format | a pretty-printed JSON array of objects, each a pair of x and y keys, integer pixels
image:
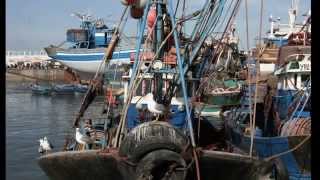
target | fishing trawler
[
  {"x": 85, "y": 46},
  {"x": 167, "y": 126},
  {"x": 274, "y": 117}
]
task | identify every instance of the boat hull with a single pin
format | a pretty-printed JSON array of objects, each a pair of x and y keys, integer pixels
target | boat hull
[
  {"x": 41, "y": 90},
  {"x": 84, "y": 165},
  {"x": 64, "y": 89},
  {"x": 295, "y": 162},
  {"x": 87, "y": 60},
  {"x": 93, "y": 164}
]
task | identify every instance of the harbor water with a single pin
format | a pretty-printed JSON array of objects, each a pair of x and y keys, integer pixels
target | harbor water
[{"x": 30, "y": 117}]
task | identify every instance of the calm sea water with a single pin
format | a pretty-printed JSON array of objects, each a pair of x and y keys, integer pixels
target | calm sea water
[{"x": 28, "y": 118}]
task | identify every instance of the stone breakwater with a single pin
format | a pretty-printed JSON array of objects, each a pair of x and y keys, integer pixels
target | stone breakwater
[{"x": 16, "y": 75}]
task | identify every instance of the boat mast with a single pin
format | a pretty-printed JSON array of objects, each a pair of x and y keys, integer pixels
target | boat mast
[
  {"x": 293, "y": 11},
  {"x": 158, "y": 82}
]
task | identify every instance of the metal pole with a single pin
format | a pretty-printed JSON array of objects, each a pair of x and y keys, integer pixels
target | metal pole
[
  {"x": 139, "y": 43},
  {"x": 181, "y": 73}
]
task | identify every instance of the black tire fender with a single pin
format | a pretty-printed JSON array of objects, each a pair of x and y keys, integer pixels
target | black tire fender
[
  {"x": 152, "y": 136},
  {"x": 161, "y": 164}
]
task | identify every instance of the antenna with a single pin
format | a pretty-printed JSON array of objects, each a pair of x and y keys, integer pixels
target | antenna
[
  {"x": 293, "y": 11},
  {"x": 271, "y": 20}
]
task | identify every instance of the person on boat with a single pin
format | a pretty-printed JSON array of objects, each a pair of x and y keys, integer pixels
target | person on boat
[
  {"x": 89, "y": 129},
  {"x": 88, "y": 126}
]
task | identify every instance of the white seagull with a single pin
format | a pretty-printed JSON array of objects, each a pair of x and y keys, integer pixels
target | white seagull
[
  {"x": 152, "y": 105},
  {"x": 45, "y": 146},
  {"x": 83, "y": 138}
]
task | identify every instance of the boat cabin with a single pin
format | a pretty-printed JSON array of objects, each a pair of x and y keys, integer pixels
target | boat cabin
[{"x": 295, "y": 73}]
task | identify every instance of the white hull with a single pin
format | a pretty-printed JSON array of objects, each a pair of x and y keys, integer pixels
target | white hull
[{"x": 90, "y": 66}]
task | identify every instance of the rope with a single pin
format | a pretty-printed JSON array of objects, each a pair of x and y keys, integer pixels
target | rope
[
  {"x": 133, "y": 89},
  {"x": 228, "y": 25},
  {"x": 108, "y": 51},
  {"x": 136, "y": 85},
  {"x": 247, "y": 24},
  {"x": 300, "y": 101},
  {"x": 249, "y": 80},
  {"x": 256, "y": 84},
  {"x": 110, "y": 96},
  {"x": 116, "y": 33},
  {"x": 290, "y": 150},
  {"x": 250, "y": 107}
]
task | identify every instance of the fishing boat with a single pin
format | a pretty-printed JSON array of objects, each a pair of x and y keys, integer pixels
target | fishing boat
[
  {"x": 84, "y": 47},
  {"x": 81, "y": 88},
  {"x": 41, "y": 90},
  {"x": 280, "y": 128},
  {"x": 64, "y": 89},
  {"x": 166, "y": 129}
]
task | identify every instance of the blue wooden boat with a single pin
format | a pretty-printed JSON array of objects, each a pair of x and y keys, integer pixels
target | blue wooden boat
[
  {"x": 79, "y": 88},
  {"x": 283, "y": 130},
  {"x": 41, "y": 90},
  {"x": 84, "y": 48},
  {"x": 154, "y": 137},
  {"x": 64, "y": 89}
]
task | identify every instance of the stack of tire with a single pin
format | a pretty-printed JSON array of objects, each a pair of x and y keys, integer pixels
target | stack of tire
[{"x": 156, "y": 148}]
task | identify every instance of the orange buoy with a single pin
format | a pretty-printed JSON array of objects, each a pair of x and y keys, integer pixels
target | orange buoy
[
  {"x": 151, "y": 18},
  {"x": 136, "y": 3}
]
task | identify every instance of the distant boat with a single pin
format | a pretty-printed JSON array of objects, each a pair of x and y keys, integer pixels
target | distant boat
[
  {"x": 42, "y": 90},
  {"x": 88, "y": 45},
  {"x": 64, "y": 89},
  {"x": 81, "y": 88}
]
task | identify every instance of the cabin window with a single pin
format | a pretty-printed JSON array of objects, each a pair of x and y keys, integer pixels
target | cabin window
[{"x": 294, "y": 65}]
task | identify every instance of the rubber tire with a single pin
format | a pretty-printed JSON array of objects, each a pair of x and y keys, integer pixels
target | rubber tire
[
  {"x": 152, "y": 136},
  {"x": 157, "y": 163}
]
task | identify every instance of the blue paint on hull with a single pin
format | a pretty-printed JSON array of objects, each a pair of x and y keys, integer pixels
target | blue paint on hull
[
  {"x": 268, "y": 146},
  {"x": 94, "y": 56}
]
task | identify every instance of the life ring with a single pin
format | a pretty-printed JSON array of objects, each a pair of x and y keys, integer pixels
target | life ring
[
  {"x": 151, "y": 136},
  {"x": 161, "y": 164}
]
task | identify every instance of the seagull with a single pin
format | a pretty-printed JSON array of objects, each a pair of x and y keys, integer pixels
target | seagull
[
  {"x": 45, "y": 145},
  {"x": 83, "y": 139},
  {"x": 153, "y": 106}
]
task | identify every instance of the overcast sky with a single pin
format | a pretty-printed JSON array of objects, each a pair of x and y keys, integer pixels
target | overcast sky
[{"x": 34, "y": 24}]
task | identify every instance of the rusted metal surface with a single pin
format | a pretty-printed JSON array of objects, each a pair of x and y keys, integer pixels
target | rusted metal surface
[
  {"x": 107, "y": 165},
  {"x": 269, "y": 55},
  {"x": 85, "y": 165},
  {"x": 285, "y": 51},
  {"x": 170, "y": 58},
  {"x": 223, "y": 165}
]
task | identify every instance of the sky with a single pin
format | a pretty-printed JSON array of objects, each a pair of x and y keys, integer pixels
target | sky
[{"x": 34, "y": 24}]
